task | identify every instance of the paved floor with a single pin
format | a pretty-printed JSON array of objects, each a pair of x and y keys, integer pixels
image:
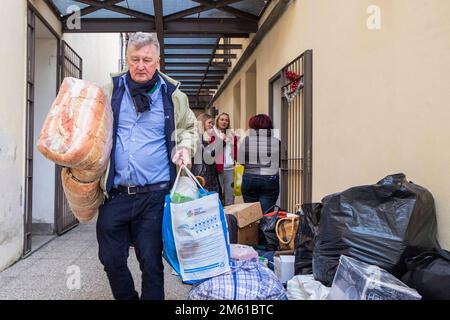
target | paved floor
[{"x": 45, "y": 274}]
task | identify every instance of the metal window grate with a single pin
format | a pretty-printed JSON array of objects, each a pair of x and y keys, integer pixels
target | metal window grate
[
  {"x": 31, "y": 43},
  {"x": 296, "y": 160}
]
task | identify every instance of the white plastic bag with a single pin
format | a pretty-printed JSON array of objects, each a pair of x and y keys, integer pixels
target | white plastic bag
[
  {"x": 195, "y": 235},
  {"x": 242, "y": 252},
  {"x": 304, "y": 287},
  {"x": 185, "y": 190},
  {"x": 356, "y": 280}
]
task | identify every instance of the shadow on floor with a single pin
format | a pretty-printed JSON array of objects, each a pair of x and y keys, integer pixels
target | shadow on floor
[{"x": 47, "y": 273}]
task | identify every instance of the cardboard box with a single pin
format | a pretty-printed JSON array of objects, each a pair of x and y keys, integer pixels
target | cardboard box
[
  {"x": 245, "y": 213},
  {"x": 248, "y": 235},
  {"x": 284, "y": 267}
]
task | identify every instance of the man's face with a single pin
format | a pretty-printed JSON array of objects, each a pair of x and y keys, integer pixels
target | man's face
[{"x": 142, "y": 63}]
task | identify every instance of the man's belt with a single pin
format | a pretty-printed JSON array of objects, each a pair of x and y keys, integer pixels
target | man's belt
[{"x": 143, "y": 189}]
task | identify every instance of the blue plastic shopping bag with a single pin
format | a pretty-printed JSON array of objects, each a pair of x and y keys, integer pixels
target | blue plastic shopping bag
[{"x": 195, "y": 235}]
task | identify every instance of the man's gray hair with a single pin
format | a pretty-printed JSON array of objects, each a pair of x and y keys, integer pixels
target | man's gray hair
[{"x": 142, "y": 39}]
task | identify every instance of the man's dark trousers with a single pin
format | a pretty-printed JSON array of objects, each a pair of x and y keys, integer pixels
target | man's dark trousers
[{"x": 137, "y": 220}]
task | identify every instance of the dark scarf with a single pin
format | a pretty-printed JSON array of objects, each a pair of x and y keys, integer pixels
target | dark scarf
[{"x": 139, "y": 92}]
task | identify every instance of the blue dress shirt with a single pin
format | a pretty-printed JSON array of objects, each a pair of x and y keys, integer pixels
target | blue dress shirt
[{"x": 141, "y": 156}]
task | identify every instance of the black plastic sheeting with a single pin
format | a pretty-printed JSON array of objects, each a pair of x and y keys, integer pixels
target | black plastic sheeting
[
  {"x": 429, "y": 274},
  {"x": 306, "y": 237},
  {"x": 381, "y": 224},
  {"x": 267, "y": 234}
]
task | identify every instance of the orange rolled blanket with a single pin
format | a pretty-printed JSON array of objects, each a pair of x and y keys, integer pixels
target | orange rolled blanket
[
  {"x": 84, "y": 198},
  {"x": 77, "y": 132}
]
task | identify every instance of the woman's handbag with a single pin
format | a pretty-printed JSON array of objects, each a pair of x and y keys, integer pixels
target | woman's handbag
[
  {"x": 286, "y": 230},
  {"x": 267, "y": 235}
]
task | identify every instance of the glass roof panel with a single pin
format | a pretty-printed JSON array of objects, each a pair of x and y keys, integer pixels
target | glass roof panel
[
  {"x": 173, "y": 6},
  {"x": 103, "y": 13},
  {"x": 63, "y": 5},
  {"x": 254, "y": 7},
  {"x": 188, "y": 51},
  {"x": 170, "y": 6},
  {"x": 139, "y": 5}
]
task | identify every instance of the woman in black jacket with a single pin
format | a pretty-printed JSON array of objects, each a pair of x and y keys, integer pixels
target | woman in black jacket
[
  {"x": 260, "y": 155},
  {"x": 203, "y": 163}
]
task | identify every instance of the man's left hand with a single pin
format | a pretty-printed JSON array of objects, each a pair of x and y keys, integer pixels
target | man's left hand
[{"x": 182, "y": 157}]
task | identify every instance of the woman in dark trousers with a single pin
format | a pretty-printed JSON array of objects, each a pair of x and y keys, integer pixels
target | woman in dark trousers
[
  {"x": 203, "y": 164},
  {"x": 260, "y": 155}
]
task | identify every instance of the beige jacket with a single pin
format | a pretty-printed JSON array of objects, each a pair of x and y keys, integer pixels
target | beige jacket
[{"x": 185, "y": 121}]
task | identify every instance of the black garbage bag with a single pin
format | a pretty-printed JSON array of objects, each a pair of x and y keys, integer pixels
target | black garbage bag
[
  {"x": 267, "y": 233},
  {"x": 232, "y": 228},
  {"x": 429, "y": 274},
  {"x": 306, "y": 237},
  {"x": 381, "y": 224}
]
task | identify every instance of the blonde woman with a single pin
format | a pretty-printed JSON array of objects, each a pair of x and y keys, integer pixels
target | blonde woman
[{"x": 226, "y": 156}]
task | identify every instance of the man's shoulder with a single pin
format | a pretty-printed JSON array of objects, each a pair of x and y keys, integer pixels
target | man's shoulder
[{"x": 180, "y": 93}]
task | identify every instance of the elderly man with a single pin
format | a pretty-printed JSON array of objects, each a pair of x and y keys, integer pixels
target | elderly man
[{"x": 152, "y": 126}]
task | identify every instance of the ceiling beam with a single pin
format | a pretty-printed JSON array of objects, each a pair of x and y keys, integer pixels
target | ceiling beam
[
  {"x": 217, "y": 65},
  {"x": 209, "y": 64},
  {"x": 212, "y": 25},
  {"x": 198, "y": 82},
  {"x": 200, "y": 56},
  {"x": 106, "y": 6},
  {"x": 229, "y": 47},
  {"x": 195, "y": 89},
  {"x": 239, "y": 13},
  {"x": 221, "y": 3},
  {"x": 157, "y": 5},
  {"x": 54, "y": 9},
  {"x": 223, "y": 7},
  {"x": 186, "y": 64},
  {"x": 205, "y": 35},
  {"x": 204, "y": 46},
  {"x": 268, "y": 3},
  {"x": 185, "y": 13},
  {"x": 196, "y": 71},
  {"x": 198, "y": 87},
  {"x": 192, "y": 93},
  {"x": 195, "y": 104},
  {"x": 201, "y": 97},
  {"x": 221, "y": 64},
  {"x": 180, "y": 27},
  {"x": 197, "y": 77}
]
